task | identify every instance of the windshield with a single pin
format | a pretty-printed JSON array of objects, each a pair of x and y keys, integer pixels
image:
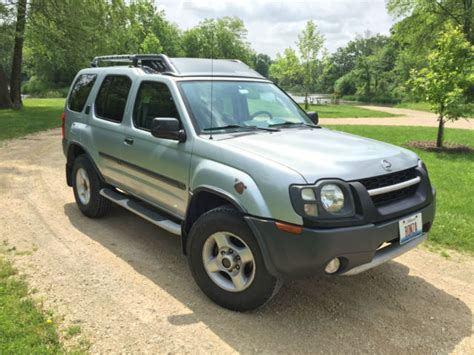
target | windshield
[{"x": 240, "y": 105}]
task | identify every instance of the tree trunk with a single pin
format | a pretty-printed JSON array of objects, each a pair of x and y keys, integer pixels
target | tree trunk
[
  {"x": 439, "y": 140},
  {"x": 467, "y": 21},
  {"x": 15, "y": 79},
  {"x": 306, "y": 105},
  {"x": 5, "y": 101}
]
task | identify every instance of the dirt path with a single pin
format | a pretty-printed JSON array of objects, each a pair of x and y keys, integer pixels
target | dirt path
[
  {"x": 409, "y": 118},
  {"x": 125, "y": 282}
]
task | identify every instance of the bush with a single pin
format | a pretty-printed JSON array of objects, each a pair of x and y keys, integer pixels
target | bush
[
  {"x": 345, "y": 85},
  {"x": 35, "y": 87}
]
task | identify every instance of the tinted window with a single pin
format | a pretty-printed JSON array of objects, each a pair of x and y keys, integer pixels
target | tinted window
[
  {"x": 112, "y": 98},
  {"x": 153, "y": 100},
  {"x": 80, "y": 92}
]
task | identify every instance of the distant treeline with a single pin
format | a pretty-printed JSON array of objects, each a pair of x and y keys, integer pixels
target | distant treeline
[{"x": 62, "y": 37}]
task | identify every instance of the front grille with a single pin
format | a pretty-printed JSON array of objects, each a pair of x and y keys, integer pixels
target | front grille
[{"x": 388, "y": 180}]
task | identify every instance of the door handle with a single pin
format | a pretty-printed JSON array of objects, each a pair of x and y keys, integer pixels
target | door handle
[
  {"x": 88, "y": 110},
  {"x": 128, "y": 141}
]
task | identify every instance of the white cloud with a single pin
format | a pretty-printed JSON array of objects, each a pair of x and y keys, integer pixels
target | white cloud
[{"x": 274, "y": 25}]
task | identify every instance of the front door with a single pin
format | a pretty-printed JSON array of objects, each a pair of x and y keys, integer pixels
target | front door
[{"x": 155, "y": 169}]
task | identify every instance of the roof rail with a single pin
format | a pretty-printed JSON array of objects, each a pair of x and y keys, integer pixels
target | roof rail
[{"x": 157, "y": 62}]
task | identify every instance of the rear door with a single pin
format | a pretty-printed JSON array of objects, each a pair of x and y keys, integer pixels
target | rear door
[
  {"x": 109, "y": 109},
  {"x": 75, "y": 110}
]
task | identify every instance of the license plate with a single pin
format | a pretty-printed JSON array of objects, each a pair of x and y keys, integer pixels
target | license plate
[{"x": 410, "y": 227}]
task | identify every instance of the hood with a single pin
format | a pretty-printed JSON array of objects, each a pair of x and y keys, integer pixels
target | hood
[{"x": 324, "y": 153}]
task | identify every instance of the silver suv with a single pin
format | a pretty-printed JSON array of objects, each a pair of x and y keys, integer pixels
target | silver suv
[{"x": 256, "y": 190}]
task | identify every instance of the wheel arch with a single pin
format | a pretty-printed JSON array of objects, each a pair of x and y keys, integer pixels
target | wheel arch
[
  {"x": 202, "y": 200},
  {"x": 75, "y": 150}
]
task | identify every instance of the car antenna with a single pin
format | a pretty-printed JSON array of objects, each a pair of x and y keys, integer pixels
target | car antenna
[{"x": 212, "y": 81}]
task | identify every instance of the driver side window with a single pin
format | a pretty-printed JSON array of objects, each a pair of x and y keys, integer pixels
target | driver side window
[{"x": 153, "y": 100}]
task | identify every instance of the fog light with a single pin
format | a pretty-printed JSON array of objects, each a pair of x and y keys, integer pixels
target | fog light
[{"x": 333, "y": 266}]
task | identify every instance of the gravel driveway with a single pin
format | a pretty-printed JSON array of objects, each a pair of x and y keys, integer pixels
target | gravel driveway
[
  {"x": 125, "y": 282},
  {"x": 407, "y": 118}
]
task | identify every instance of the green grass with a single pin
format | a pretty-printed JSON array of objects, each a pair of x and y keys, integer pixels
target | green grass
[
  {"x": 420, "y": 106},
  {"x": 36, "y": 115},
  {"x": 346, "y": 111},
  {"x": 451, "y": 174},
  {"x": 24, "y": 329}
]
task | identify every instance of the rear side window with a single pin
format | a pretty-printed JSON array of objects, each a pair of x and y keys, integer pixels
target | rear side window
[
  {"x": 80, "y": 92},
  {"x": 153, "y": 100},
  {"x": 112, "y": 97}
]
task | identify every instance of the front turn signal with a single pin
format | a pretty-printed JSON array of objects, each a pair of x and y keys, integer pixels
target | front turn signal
[{"x": 290, "y": 228}]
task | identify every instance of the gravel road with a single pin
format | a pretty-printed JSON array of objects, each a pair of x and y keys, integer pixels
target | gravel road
[
  {"x": 407, "y": 118},
  {"x": 125, "y": 282}
]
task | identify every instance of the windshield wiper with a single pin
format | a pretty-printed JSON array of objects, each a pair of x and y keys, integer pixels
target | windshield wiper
[
  {"x": 287, "y": 123},
  {"x": 291, "y": 123},
  {"x": 229, "y": 126},
  {"x": 224, "y": 127}
]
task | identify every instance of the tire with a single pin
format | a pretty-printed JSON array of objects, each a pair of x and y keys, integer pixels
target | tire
[
  {"x": 88, "y": 197},
  {"x": 253, "y": 286}
]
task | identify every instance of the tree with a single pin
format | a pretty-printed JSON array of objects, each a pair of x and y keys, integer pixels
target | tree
[
  {"x": 261, "y": 63},
  {"x": 222, "y": 38},
  {"x": 446, "y": 79},
  {"x": 459, "y": 12},
  {"x": 286, "y": 70},
  {"x": 310, "y": 43},
  {"x": 6, "y": 43},
  {"x": 15, "y": 79}
]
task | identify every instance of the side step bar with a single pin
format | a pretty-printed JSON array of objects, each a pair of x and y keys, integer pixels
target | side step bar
[{"x": 141, "y": 210}]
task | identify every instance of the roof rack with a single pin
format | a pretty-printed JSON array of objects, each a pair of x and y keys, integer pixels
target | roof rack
[{"x": 157, "y": 62}]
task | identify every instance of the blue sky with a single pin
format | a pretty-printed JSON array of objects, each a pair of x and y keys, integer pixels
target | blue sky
[{"x": 274, "y": 25}]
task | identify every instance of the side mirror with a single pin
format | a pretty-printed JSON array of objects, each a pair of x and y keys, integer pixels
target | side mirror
[
  {"x": 167, "y": 128},
  {"x": 314, "y": 117}
]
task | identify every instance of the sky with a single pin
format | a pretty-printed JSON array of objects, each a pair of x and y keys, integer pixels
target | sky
[{"x": 274, "y": 25}]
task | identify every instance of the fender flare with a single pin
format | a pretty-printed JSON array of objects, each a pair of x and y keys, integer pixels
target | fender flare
[
  {"x": 235, "y": 203},
  {"x": 69, "y": 163}
]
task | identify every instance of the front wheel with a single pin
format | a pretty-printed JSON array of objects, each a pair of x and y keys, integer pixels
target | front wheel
[{"x": 227, "y": 263}]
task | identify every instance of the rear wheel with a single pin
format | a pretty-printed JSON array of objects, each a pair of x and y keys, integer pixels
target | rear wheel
[
  {"x": 227, "y": 263},
  {"x": 87, "y": 184}
]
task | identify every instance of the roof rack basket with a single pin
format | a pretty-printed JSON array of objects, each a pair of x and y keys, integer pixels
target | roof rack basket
[{"x": 158, "y": 62}]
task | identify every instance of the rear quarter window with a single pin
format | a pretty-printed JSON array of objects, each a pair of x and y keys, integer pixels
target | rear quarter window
[{"x": 80, "y": 92}]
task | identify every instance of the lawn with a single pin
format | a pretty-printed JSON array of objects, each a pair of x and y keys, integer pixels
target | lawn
[
  {"x": 451, "y": 174},
  {"x": 36, "y": 115},
  {"x": 346, "y": 111},
  {"x": 24, "y": 329},
  {"x": 420, "y": 106}
]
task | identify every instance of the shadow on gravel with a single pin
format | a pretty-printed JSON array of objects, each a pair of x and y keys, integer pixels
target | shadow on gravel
[{"x": 383, "y": 310}]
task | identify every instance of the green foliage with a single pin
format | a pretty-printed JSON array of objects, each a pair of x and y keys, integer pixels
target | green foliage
[
  {"x": 261, "y": 63},
  {"x": 444, "y": 83},
  {"x": 23, "y": 328},
  {"x": 345, "y": 85},
  {"x": 63, "y": 36},
  {"x": 454, "y": 225},
  {"x": 221, "y": 38},
  {"x": 6, "y": 36},
  {"x": 310, "y": 42},
  {"x": 286, "y": 70}
]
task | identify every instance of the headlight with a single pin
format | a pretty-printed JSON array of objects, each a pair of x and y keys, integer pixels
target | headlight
[
  {"x": 332, "y": 198},
  {"x": 327, "y": 199}
]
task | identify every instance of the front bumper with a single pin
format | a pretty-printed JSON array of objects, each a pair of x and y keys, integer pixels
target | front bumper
[{"x": 291, "y": 256}]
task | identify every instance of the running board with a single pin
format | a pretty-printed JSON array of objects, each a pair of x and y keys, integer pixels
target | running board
[{"x": 141, "y": 210}]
